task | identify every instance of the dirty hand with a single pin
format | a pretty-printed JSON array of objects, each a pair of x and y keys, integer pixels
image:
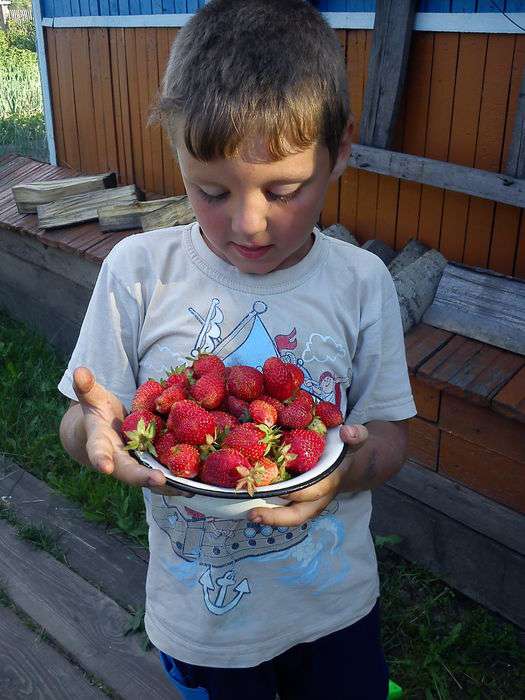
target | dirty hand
[
  {"x": 103, "y": 414},
  {"x": 309, "y": 502}
]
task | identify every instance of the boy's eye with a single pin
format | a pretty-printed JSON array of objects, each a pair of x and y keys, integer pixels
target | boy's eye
[
  {"x": 212, "y": 198},
  {"x": 282, "y": 198}
]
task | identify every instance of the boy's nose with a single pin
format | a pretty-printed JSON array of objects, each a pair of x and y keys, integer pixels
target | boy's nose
[{"x": 249, "y": 218}]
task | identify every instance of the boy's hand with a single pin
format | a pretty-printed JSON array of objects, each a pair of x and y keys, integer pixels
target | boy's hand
[
  {"x": 309, "y": 502},
  {"x": 103, "y": 414}
]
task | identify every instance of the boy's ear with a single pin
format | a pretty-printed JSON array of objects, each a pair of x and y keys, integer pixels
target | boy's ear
[{"x": 345, "y": 148}]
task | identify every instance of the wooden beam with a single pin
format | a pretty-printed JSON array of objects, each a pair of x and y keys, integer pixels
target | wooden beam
[
  {"x": 457, "y": 178},
  {"x": 394, "y": 22},
  {"x": 516, "y": 162}
]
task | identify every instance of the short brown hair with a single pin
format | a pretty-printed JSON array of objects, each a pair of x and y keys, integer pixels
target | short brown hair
[{"x": 255, "y": 68}]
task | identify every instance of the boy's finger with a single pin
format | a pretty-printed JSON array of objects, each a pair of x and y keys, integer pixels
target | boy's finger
[
  {"x": 88, "y": 392},
  {"x": 100, "y": 450},
  {"x": 354, "y": 436},
  {"x": 131, "y": 472},
  {"x": 289, "y": 516}
]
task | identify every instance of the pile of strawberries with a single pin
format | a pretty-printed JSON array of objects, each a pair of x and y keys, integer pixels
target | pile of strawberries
[{"x": 234, "y": 427}]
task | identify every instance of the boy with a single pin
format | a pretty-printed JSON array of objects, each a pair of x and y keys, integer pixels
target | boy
[{"x": 255, "y": 102}]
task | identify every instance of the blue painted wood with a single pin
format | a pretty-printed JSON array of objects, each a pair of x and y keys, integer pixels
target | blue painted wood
[
  {"x": 463, "y": 6},
  {"x": 94, "y": 8},
  {"x": 48, "y": 8},
  {"x": 360, "y": 6},
  {"x": 434, "y": 6},
  {"x": 75, "y": 8},
  {"x": 180, "y": 5},
  {"x": 84, "y": 8},
  {"x": 156, "y": 7},
  {"x": 123, "y": 7},
  {"x": 515, "y": 6},
  {"x": 488, "y": 6},
  {"x": 145, "y": 7},
  {"x": 105, "y": 8},
  {"x": 168, "y": 7}
]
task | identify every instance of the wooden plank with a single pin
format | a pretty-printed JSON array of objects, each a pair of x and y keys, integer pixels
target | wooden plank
[
  {"x": 461, "y": 504},
  {"x": 112, "y": 563},
  {"x": 423, "y": 442},
  {"x": 81, "y": 619},
  {"x": 516, "y": 79},
  {"x": 519, "y": 264},
  {"x": 83, "y": 95},
  {"x": 28, "y": 195},
  {"x": 515, "y": 164},
  {"x": 141, "y": 87},
  {"x": 443, "y": 366},
  {"x": 511, "y": 399},
  {"x": 482, "y": 426},
  {"x": 64, "y": 40},
  {"x": 103, "y": 101},
  {"x": 491, "y": 474},
  {"x": 47, "y": 676},
  {"x": 480, "y": 304},
  {"x": 392, "y": 35},
  {"x": 121, "y": 105},
  {"x": 422, "y": 342},
  {"x": 504, "y": 239},
  {"x": 474, "y": 564},
  {"x": 131, "y": 68},
  {"x": 426, "y": 399},
  {"x": 74, "y": 239},
  {"x": 81, "y": 208},
  {"x": 439, "y": 174},
  {"x": 152, "y": 84},
  {"x": 467, "y": 100},
  {"x": 99, "y": 251},
  {"x": 54, "y": 86}
]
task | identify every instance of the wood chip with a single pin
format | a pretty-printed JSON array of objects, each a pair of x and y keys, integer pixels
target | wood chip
[
  {"x": 121, "y": 217},
  {"x": 30, "y": 194},
  {"x": 175, "y": 214}
]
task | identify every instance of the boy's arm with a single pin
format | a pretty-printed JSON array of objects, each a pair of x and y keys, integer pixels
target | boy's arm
[{"x": 377, "y": 452}]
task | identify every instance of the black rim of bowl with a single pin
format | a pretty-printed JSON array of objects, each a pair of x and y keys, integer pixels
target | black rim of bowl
[{"x": 243, "y": 495}]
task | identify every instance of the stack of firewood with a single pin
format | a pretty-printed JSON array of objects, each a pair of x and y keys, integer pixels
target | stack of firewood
[{"x": 76, "y": 200}]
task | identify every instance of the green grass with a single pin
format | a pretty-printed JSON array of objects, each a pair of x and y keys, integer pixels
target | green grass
[
  {"x": 439, "y": 644},
  {"x": 22, "y": 127}
]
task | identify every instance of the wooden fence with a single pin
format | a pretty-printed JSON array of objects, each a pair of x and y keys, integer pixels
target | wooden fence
[{"x": 459, "y": 106}]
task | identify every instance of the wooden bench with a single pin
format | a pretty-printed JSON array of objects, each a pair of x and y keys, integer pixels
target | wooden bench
[{"x": 458, "y": 504}]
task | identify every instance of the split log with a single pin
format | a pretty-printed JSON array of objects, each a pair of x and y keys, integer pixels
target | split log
[
  {"x": 416, "y": 286},
  {"x": 29, "y": 195},
  {"x": 83, "y": 207},
  {"x": 120, "y": 217},
  {"x": 381, "y": 249},
  {"x": 341, "y": 233},
  {"x": 175, "y": 214},
  {"x": 408, "y": 254}
]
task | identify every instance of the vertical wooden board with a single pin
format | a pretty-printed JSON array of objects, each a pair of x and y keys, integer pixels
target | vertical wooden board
[
  {"x": 356, "y": 67},
  {"x": 518, "y": 68},
  {"x": 131, "y": 70},
  {"x": 121, "y": 102},
  {"x": 163, "y": 49},
  {"x": 419, "y": 74},
  {"x": 423, "y": 442},
  {"x": 386, "y": 215},
  {"x": 103, "y": 97},
  {"x": 426, "y": 398},
  {"x": 139, "y": 82},
  {"x": 504, "y": 238},
  {"x": 154, "y": 129},
  {"x": 478, "y": 233},
  {"x": 99, "y": 107},
  {"x": 64, "y": 38},
  {"x": 83, "y": 91},
  {"x": 54, "y": 85},
  {"x": 444, "y": 64},
  {"x": 330, "y": 212},
  {"x": 519, "y": 263},
  {"x": 467, "y": 100}
]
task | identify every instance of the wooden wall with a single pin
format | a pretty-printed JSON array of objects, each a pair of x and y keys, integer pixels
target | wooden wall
[{"x": 459, "y": 106}]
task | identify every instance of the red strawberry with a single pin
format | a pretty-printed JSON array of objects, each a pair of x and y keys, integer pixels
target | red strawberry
[
  {"x": 179, "y": 377},
  {"x": 249, "y": 440},
  {"x": 146, "y": 395},
  {"x": 220, "y": 468},
  {"x": 273, "y": 402},
  {"x": 329, "y": 414},
  {"x": 224, "y": 421},
  {"x": 163, "y": 444},
  {"x": 190, "y": 423},
  {"x": 297, "y": 375},
  {"x": 238, "y": 408},
  {"x": 168, "y": 397},
  {"x": 305, "y": 398},
  {"x": 208, "y": 364},
  {"x": 263, "y": 412},
  {"x": 263, "y": 473},
  {"x": 305, "y": 449},
  {"x": 184, "y": 460},
  {"x": 209, "y": 390},
  {"x": 245, "y": 382},
  {"x": 138, "y": 430},
  {"x": 295, "y": 415},
  {"x": 278, "y": 379}
]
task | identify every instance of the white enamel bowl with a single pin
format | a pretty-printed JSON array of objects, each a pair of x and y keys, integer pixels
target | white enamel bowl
[{"x": 219, "y": 502}]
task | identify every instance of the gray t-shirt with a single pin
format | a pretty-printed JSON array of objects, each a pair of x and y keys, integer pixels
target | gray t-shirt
[{"x": 230, "y": 593}]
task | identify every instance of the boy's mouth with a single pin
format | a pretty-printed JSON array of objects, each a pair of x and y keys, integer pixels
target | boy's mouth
[{"x": 251, "y": 251}]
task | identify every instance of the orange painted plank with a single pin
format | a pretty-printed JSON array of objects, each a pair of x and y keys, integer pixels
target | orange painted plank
[
  {"x": 121, "y": 104},
  {"x": 519, "y": 265},
  {"x": 444, "y": 65},
  {"x": 153, "y": 80},
  {"x": 64, "y": 39},
  {"x": 83, "y": 94},
  {"x": 467, "y": 100},
  {"x": 511, "y": 399},
  {"x": 54, "y": 85},
  {"x": 386, "y": 215},
  {"x": 419, "y": 75},
  {"x": 504, "y": 238},
  {"x": 356, "y": 66},
  {"x": 131, "y": 69},
  {"x": 142, "y": 88},
  {"x": 103, "y": 98},
  {"x": 163, "y": 49}
]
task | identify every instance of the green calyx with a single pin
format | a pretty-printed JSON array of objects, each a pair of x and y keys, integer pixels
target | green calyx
[
  {"x": 317, "y": 426},
  {"x": 141, "y": 439}
]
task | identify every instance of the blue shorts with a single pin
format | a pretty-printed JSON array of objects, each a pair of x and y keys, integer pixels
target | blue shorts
[{"x": 348, "y": 665}]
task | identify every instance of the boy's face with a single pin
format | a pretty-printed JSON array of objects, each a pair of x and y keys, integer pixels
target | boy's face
[{"x": 255, "y": 213}]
